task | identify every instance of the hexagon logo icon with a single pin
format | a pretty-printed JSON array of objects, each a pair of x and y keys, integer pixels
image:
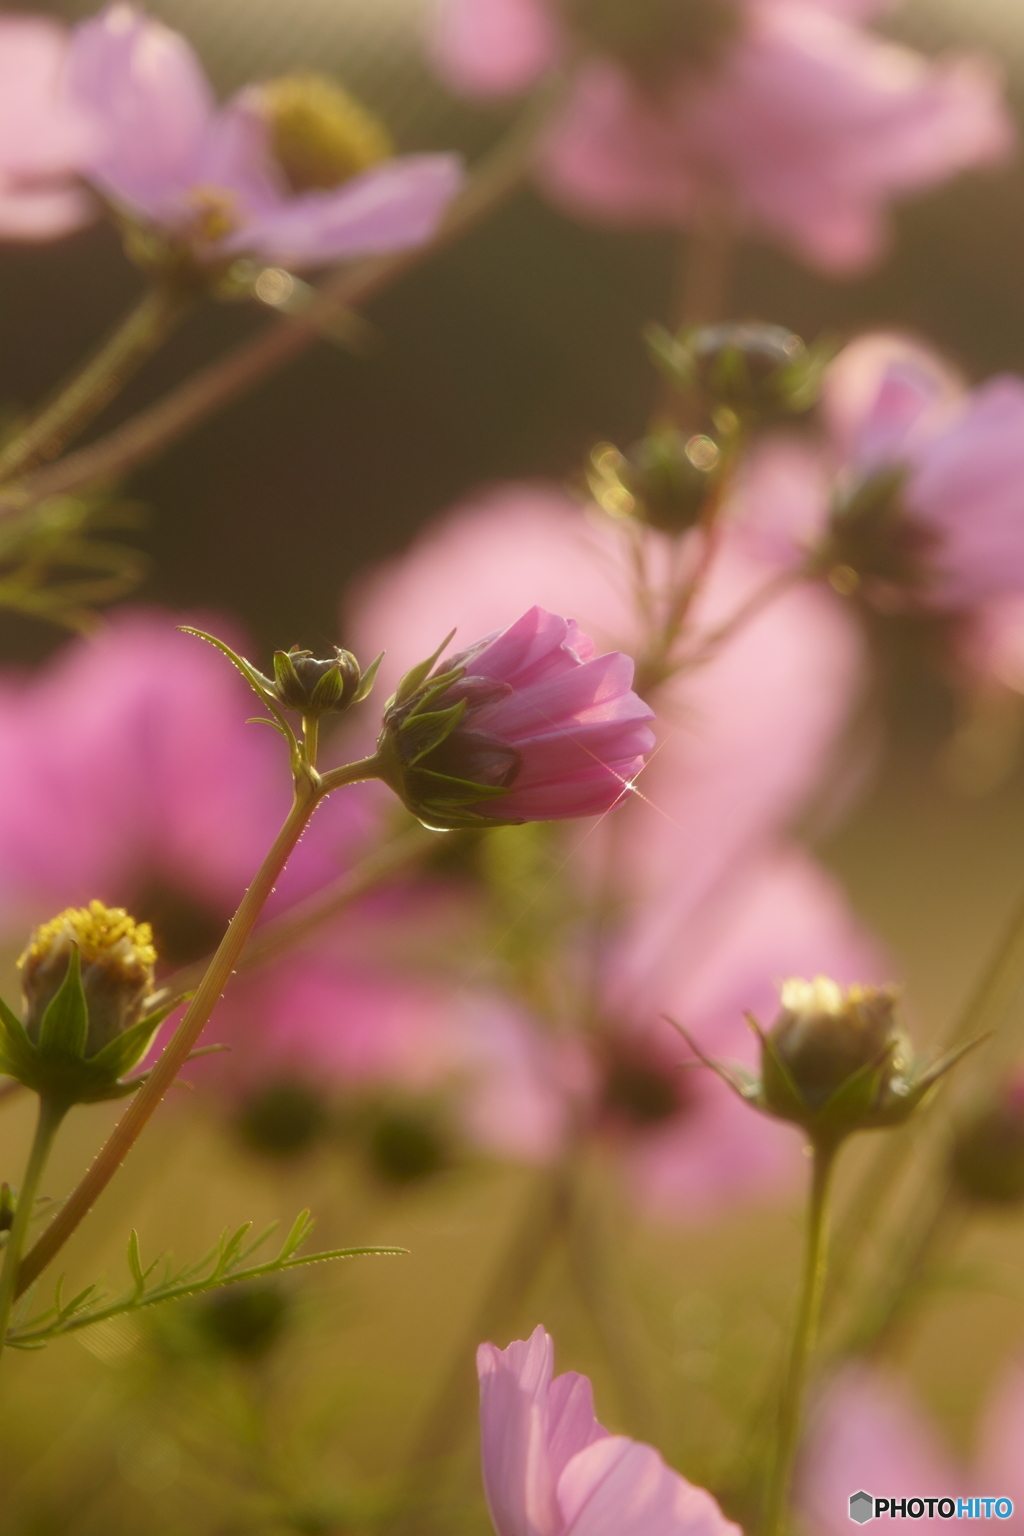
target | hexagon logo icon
[{"x": 862, "y": 1507}]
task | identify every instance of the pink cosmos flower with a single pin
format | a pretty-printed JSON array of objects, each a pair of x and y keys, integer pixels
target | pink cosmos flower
[
  {"x": 743, "y": 740},
  {"x": 166, "y": 155},
  {"x": 868, "y": 1434},
  {"x": 801, "y": 128},
  {"x": 892, "y": 404},
  {"x": 550, "y": 1469},
  {"x": 537, "y": 721},
  {"x": 43, "y": 142}
]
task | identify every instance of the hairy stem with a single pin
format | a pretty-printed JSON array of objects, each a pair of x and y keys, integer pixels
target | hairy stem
[
  {"x": 805, "y": 1333},
  {"x": 308, "y": 794},
  {"x": 86, "y": 394},
  {"x": 49, "y": 1119}
]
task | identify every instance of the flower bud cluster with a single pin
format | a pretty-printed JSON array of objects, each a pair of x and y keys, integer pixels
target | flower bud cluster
[{"x": 740, "y": 371}]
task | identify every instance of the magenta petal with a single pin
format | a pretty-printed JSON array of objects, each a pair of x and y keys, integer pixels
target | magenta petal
[
  {"x": 394, "y": 206},
  {"x": 617, "y": 1486},
  {"x": 145, "y": 90},
  {"x": 493, "y": 47}
]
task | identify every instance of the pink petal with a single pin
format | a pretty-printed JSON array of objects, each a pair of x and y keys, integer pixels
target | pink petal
[
  {"x": 617, "y": 1486},
  {"x": 493, "y": 47},
  {"x": 514, "y": 1385}
]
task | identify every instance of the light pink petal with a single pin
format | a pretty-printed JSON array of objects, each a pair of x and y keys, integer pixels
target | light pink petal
[
  {"x": 44, "y": 142},
  {"x": 617, "y": 1486},
  {"x": 389, "y": 208},
  {"x": 493, "y": 47},
  {"x": 42, "y": 214},
  {"x": 144, "y": 88},
  {"x": 999, "y": 1463},
  {"x": 881, "y": 393},
  {"x": 514, "y": 1386},
  {"x": 866, "y": 1433}
]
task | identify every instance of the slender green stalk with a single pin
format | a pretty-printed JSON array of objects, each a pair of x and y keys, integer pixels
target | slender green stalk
[
  {"x": 805, "y": 1333},
  {"x": 139, "y": 334},
  {"x": 50, "y": 1117},
  {"x": 308, "y": 794}
]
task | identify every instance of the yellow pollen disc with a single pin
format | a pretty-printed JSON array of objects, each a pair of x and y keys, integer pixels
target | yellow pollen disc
[
  {"x": 319, "y": 134},
  {"x": 98, "y": 931}
]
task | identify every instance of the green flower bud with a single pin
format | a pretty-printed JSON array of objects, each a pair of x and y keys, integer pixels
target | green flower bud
[
  {"x": 243, "y": 1320},
  {"x": 872, "y": 548},
  {"x": 664, "y": 480},
  {"x": 405, "y": 1145},
  {"x": 316, "y": 687},
  {"x": 90, "y": 1008},
  {"x": 837, "y": 1060},
  {"x": 986, "y": 1158},
  {"x": 740, "y": 370}
]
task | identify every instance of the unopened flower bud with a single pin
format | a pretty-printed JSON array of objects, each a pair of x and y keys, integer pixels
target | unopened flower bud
[
  {"x": 320, "y": 136},
  {"x": 316, "y": 687},
  {"x": 405, "y": 1145},
  {"x": 836, "y": 1060},
  {"x": 746, "y": 370},
  {"x": 664, "y": 480},
  {"x": 987, "y": 1155},
  {"x": 243, "y": 1320},
  {"x": 873, "y": 547},
  {"x": 117, "y": 957},
  {"x": 283, "y": 1119}
]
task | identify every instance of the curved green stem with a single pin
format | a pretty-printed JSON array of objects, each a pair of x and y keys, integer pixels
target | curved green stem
[
  {"x": 309, "y": 791},
  {"x": 139, "y": 334},
  {"x": 50, "y": 1117},
  {"x": 805, "y": 1333}
]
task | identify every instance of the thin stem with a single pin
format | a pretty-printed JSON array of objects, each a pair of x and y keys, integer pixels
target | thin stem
[
  {"x": 308, "y": 794},
  {"x": 150, "y": 431},
  {"x": 86, "y": 394},
  {"x": 878, "y": 1327},
  {"x": 50, "y": 1117},
  {"x": 805, "y": 1333}
]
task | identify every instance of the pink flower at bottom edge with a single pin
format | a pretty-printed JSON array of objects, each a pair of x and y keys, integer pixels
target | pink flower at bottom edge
[{"x": 550, "y": 1469}]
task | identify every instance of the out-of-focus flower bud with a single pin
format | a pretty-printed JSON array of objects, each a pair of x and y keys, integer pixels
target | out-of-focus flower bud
[
  {"x": 987, "y": 1155},
  {"x": 243, "y": 1320},
  {"x": 740, "y": 370},
  {"x": 316, "y": 687},
  {"x": 405, "y": 1145},
  {"x": 872, "y": 548},
  {"x": 283, "y": 1119},
  {"x": 320, "y": 136},
  {"x": 90, "y": 1008},
  {"x": 526, "y": 725},
  {"x": 664, "y": 480},
  {"x": 836, "y": 1060},
  {"x": 655, "y": 37},
  {"x": 7, "y": 1207}
]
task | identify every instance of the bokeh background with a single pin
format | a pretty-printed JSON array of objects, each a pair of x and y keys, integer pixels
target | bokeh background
[{"x": 508, "y": 355}]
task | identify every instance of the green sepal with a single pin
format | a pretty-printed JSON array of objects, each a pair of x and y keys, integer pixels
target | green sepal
[
  {"x": 461, "y": 792},
  {"x": 417, "y": 676},
  {"x": 327, "y": 693},
  {"x": 17, "y": 1052},
  {"x": 368, "y": 678},
  {"x": 119, "y": 1055},
  {"x": 423, "y": 732},
  {"x": 285, "y": 676},
  {"x": 65, "y": 1025}
]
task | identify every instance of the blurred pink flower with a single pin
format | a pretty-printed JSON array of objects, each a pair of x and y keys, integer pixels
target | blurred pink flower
[
  {"x": 348, "y": 1029},
  {"x": 892, "y": 404},
  {"x": 43, "y": 142},
  {"x": 544, "y": 719},
  {"x": 801, "y": 130},
  {"x": 131, "y": 773},
  {"x": 550, "y": 1469},
  {"x": 743, "y": 740},
  {"x": 168, "y": 156},
  {"x": 868, "y": 1434}
]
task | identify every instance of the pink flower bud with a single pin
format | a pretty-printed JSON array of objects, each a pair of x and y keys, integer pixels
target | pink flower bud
[{"x": 526, "y": 725}]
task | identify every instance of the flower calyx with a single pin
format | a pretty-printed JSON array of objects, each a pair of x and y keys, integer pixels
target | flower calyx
[
  {"x": 90, "y": 1007},
  {"x": 741, "y": 371},
  {"x": 665, "y": 480},
  {"x": 836, "y": 1060},
  {"x": 429, "y": 753}
]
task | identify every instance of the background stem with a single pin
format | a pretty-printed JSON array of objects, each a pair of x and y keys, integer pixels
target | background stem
[{"x": 49, "y": 1119}]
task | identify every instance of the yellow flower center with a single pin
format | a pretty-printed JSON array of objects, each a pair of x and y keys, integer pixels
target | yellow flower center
[
  {"x": 102, "y": 933},
  {"x": 319, "y": 134}
]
